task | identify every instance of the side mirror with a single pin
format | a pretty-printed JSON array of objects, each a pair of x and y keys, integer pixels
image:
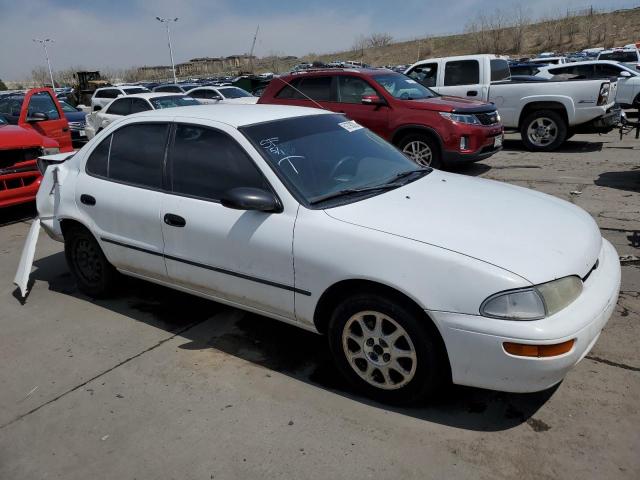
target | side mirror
[
  {"x": 97, "y": 108},
  {"x": 624, "y": 74},
  {"x": 37, "y": 117},
  {"x": 372, "y": 100},
  {"x": 245, "y": 198}
]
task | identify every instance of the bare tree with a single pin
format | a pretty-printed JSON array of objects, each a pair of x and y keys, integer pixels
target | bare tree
[
  {"x": 40, "y": 75},
  {"x": 359, "y": 44},
  {"x": 379, "y": 40},
  {"x": 519, "y": 21}
]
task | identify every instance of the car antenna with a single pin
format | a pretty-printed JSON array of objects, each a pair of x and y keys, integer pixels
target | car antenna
[{"x": 302, "y": 93}]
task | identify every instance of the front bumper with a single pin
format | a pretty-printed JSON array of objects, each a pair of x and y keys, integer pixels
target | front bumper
[
  {"x": 481, "y": 142},
  {"x": 475, "y": 343}
]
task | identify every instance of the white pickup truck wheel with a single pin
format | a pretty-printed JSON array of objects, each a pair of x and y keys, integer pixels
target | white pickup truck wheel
[{"x": 543, "y": 131}]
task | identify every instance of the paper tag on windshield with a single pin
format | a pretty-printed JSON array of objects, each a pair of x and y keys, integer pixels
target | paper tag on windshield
[
  {"x": 350, "y": 126},
  {"x": 411, "y": 81}
]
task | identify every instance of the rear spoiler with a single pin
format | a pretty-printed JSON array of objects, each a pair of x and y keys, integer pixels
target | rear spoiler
[{"x": 46, "y": 160}]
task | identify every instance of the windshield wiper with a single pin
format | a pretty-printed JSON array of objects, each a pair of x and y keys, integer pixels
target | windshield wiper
[
  {"x": 350, "y": 191},
  {"x": 408, "y": 173}
]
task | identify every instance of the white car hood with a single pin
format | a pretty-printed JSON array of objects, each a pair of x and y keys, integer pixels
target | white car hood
[{"x": 533, "y": 235}]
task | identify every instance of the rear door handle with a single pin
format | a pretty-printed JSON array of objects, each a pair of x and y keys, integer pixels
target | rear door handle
[
  {"x": 472, "y": 93},
  {"x": 87, "y": 199},
  {"x": 174, "y": 220}
]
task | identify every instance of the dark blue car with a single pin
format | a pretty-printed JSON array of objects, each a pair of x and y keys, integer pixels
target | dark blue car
[{"x": 77, "y": 121}]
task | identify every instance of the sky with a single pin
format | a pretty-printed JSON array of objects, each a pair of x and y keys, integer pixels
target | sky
[{"x": 123, "y": 33}]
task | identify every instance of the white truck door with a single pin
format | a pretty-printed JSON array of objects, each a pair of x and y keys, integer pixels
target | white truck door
[{"x": 461, "y": 78}]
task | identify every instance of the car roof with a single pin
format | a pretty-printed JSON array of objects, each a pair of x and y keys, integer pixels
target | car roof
[
  {"x": 588, "y": 62},
  {"x": 330, "y": 71},
  {"x": 236, "y": 115},
  {"x": 149, "y": 95}
]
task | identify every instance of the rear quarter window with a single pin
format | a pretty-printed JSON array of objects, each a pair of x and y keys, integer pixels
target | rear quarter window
[{"x": 499, "y": 70}]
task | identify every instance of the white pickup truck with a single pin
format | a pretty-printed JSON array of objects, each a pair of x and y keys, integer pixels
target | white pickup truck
[{"x": 546, "y": 113}]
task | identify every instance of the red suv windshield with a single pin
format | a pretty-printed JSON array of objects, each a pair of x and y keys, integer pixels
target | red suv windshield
[{"x": 402, "y": 87}]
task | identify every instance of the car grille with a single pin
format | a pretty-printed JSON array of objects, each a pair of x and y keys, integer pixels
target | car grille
[
  {"x": 9, "y": 158},
  {"x": 490, "y": 118},
  {"x": 77, "y": 125}
]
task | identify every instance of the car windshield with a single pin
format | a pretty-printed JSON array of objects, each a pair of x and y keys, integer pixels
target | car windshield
[
  {"x": 66, "y": 107},
  {"x": 625, "y": 57},
  {"x": 131, "y": 91},
  {"x": 403, "y": 87},
  {"x": 234, "y": 92},
  {"x": 327, "y": 158},
  {"x": 173, "y": 101}
]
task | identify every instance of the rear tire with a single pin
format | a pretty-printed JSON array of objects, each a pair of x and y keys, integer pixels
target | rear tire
[
  {"x": 95, "y": 276},
  {"x": 543, "y": 131},
  {"x": 386, "y": 349},
  {"x": 422, "y": 149}
]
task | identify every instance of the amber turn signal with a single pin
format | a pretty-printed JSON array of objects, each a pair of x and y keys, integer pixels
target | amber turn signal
[{"x": 524, "y": 350}]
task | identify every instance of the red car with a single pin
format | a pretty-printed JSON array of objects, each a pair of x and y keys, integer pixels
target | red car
[
  {"x": 432, "y": 129},
  {"x": 31, "y": 125}
]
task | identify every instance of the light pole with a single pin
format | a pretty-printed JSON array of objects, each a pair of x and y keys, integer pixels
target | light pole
[
  {"x": 166, "y": 21},
  {"x": 44, "y": 42}
]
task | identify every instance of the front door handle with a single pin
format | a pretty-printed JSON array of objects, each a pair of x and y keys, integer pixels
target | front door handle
[
  {"x": 174, "y": 220},
  {"x": 87, "y": 199},
  {"x": 472, "y": 93}
]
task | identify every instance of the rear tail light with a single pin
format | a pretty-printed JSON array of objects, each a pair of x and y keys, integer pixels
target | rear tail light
[{"x": 603, "y": 97}]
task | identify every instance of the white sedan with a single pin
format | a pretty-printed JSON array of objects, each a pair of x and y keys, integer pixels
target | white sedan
[
  {"x": 416, "y": 276},
  {"x": 217, "y": 95},
  {"x": 136, "y": 103}
]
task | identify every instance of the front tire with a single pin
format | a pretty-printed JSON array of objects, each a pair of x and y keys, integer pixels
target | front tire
[
  {"x": 543, "y": 131},
  {"x": 422, "y": 149},
  {"x": 386, "y": 350},
  {"x": 95, "y": 276}
]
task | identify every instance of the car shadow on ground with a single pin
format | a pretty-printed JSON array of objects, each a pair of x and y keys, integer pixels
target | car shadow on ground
[
  {"x": 18, "y": 213},
  {"x": 570, "y": 146},
  {"x": 288, "y": 350},
  {"x": 628, "y": 181}
]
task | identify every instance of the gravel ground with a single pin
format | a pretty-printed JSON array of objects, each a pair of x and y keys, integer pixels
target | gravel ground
[{"x": 159, "y": 385}]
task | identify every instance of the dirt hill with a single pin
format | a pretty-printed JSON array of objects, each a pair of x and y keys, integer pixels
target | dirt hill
[{"x": 516, "y": 37}]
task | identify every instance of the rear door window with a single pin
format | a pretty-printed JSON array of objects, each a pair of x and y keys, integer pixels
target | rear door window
[
  {"x": 137, "y": 154},
  {"x": 317, "y": 88},
  {"x": 120, "y": 107},
  {"x": 139, "y": 105},
  {"x": 462, "y": 72},
  {"x": 499, "y": 70}
]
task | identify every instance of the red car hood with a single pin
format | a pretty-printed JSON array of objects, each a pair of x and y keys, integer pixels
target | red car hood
[
  {"x": 14, "y": 136},
  {"x": 448, "y": 104}
]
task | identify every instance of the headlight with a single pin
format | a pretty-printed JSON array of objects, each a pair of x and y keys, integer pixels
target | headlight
[
  {"x": 460, "y": 118},
  {"x": 50, "y": 151},
  {"x": 533, "y": 303}
]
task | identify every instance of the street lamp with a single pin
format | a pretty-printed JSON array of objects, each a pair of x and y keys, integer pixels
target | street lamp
[
  {"x": 166, "y": 21},
  {"x": 44, "y": 42}
]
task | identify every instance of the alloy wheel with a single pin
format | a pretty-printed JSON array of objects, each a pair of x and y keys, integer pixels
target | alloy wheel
[
  {"x": 379, "y": 350},
  {"x": 420, "y": 152},
  {"x": 542, "y": 131}
]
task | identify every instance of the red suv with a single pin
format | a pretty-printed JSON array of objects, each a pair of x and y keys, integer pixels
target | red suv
[{"x": 431, "y": 129}]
